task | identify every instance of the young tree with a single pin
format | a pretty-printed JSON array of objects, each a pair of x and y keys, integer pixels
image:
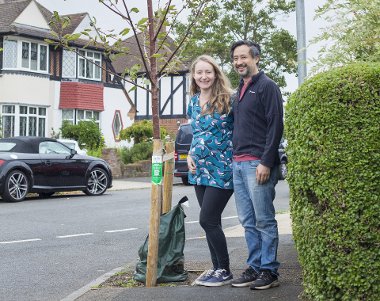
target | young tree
[
  {"x": 353, "y": 33},
  {"x": 231, "y": 20},
  {"x": 156, "y": 58}
]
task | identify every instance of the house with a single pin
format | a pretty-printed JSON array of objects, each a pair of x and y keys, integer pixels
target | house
[
  {"x": 40, "y": 85},
  {"x": 173, "y": 86}
]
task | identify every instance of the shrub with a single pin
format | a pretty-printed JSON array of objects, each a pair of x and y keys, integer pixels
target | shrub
[
  {"x": 332, "y": 126},
  {"x": 138, "y": 152},
  {"x": 141, "y": 131},
  {"x": 97, "y": 152},
  {"x": 85, "y": 132}
]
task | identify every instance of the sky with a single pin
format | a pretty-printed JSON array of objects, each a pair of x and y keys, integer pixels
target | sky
[{"x": 108, "y": 20}]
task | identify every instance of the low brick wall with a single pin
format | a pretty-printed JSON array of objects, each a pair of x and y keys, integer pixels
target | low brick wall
[
  {"x": 138, "y": 169},
  {"x": 121, "y": 170}
]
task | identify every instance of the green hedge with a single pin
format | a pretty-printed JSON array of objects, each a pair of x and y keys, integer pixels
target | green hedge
[
  {"x": 138, "y": 152},
  {"x": 333, "y": 132}
]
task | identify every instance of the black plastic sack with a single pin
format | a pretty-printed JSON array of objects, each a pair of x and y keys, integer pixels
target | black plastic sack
[{"x": 171, "y": 242}]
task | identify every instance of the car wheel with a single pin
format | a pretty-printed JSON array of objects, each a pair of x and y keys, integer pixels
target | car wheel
[
  {"x": 97, "y": 182},
  {"x": 185, "y": 181},
  {"x": 283, "y": 171},
  {"x": 44, "y": 195},
  {"x": 16, "y": 186}
]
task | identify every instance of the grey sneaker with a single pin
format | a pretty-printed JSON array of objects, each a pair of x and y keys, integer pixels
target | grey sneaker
[
  {"x": 248, "y": 276},
  {"x": 206, "y": 275},
  {"x": 219, "y": 278},
  {"x": 264, "y": 281}
]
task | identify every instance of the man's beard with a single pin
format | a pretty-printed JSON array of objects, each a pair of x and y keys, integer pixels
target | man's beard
[{"x": 246, "y": 73}]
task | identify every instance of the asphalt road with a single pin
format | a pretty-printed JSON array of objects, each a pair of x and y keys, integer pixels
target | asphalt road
[{"x": 50, "y": 248}]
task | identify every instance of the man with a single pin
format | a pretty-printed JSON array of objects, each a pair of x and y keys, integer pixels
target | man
[{"x": 258, "y": 128}]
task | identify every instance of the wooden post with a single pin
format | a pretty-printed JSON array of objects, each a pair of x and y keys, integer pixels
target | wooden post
[
  {"x": 155, "y": 212},
  {"x": 168, "y": 177}
]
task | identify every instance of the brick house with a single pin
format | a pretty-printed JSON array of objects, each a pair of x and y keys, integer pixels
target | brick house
[
  {"x": 41, "y": 86},
  {"x": 173, "y": 86}
]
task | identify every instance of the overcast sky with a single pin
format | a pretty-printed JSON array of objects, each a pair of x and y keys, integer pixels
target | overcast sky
[{"x": 108, "y": 20}]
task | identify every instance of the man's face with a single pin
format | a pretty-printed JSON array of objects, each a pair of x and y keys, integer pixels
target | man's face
[{"x": 244, "y": 64}]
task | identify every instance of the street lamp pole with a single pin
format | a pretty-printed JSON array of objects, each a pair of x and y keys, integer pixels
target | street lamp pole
[{"x": 301, "y": 41}]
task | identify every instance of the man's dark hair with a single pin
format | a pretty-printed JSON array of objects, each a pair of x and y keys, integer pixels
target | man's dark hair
[{"x": 254, "y": 48}]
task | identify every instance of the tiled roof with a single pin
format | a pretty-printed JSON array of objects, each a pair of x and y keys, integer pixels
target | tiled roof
[
  {"x": 9, "y": 11},
  {"x": 75, "y": 19},
  {"x": 133, "y": 56}
]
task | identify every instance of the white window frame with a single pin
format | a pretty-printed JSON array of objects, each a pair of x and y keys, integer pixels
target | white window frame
[
  {"x": 19, "y": 65},
  {"x": 12, "y": 116},
  {"x": 32, "y": 111},
  {"x": 69, "y": 56},
  {"x": 89, "y": 69},
  {"x": 88, "y": 115}
]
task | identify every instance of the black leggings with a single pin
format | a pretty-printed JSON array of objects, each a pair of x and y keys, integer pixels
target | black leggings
[{"x": 212, "y": 201}]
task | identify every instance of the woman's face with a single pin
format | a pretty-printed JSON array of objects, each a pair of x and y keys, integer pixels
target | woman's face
[{"x": 204, "y": 75}]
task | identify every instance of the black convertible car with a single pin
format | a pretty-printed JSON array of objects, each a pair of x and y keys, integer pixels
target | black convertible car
[{"x": 45, "y": 166}]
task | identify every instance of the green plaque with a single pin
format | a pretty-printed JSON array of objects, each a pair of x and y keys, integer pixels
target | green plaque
[{"x": 157, "y": 170}]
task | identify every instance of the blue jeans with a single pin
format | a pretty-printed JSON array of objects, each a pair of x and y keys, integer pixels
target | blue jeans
[{"x": 254, "y": 203}]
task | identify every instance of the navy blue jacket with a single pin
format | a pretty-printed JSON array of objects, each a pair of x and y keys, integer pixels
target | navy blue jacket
[{"x": 258, "y": 120}]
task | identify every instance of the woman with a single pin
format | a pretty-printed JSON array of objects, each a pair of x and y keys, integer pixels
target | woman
[{"x": 210, "y": 159}]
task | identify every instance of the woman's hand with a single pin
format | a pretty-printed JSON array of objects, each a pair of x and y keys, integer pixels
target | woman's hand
[{"x": 191, "y": 164}]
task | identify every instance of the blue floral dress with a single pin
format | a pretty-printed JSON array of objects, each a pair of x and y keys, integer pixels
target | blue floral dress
[{"x": 211, "y": 148}]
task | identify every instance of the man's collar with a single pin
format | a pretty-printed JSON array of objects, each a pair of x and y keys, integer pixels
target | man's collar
[{"x": 254, "y": 78}]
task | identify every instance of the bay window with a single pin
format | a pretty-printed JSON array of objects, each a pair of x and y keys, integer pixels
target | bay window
[
  {"x": 25, "y": 55},
  {"x": 74, "y": 116},
  {"x": 23, "y": 120}
]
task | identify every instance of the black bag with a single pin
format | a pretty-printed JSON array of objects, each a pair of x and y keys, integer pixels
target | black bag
[{"x": 171, "y": 242}]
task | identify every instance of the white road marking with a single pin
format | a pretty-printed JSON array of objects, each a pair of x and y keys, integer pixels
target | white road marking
[
  {"x": 191, "y": 222},
  {"x": 75, "y": 235},
  {"x": 18, "y": 241},
  {"x": 192, "y": 238},
  {"x": 227, "y": 217},
  {"x": 121, "y": 230}
]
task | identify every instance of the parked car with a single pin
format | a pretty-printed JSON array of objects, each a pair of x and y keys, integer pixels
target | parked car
[
  {"x": 73, "y": 145},
  {"x": 283, "y": 159},
  {"x": 181, "y": 149},
  {"x": 45, "y": 166}
]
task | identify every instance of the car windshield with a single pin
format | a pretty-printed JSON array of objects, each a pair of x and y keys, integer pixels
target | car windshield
[
  {"x": 6, "y": 146},
  {"x": 69, "y": 144},
  {"x": 185, "y": 135},
  {"x": 50, "y": 147}
]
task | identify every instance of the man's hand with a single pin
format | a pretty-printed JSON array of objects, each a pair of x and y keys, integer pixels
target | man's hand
[
  {"x": 262, "y": 174},
  {"x": 191, "y": 164}
]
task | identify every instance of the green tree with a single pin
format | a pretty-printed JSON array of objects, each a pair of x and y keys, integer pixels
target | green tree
[
  {"x": 140, "y": 131},
  {"x": 227, "y": 21},
  {"x": 352, "y": 33}
]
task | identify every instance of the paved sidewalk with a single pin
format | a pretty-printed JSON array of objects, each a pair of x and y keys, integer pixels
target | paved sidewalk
[{"x": 198, "y": 258}]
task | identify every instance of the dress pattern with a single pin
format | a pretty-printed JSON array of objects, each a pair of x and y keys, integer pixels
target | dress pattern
[{"x": 211, "y": 148}]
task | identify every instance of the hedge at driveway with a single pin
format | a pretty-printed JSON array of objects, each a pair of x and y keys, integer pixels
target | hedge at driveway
[{"x": 333, "y": 131}]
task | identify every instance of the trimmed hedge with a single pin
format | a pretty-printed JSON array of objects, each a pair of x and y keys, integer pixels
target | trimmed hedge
[{"x": 333, "y": 132}]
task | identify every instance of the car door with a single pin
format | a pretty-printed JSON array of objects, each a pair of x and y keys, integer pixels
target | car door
[{"x": 62, "y": 169}]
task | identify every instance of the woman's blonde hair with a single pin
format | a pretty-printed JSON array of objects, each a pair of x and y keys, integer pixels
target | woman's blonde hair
[{"x": 221, "y": 90}]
